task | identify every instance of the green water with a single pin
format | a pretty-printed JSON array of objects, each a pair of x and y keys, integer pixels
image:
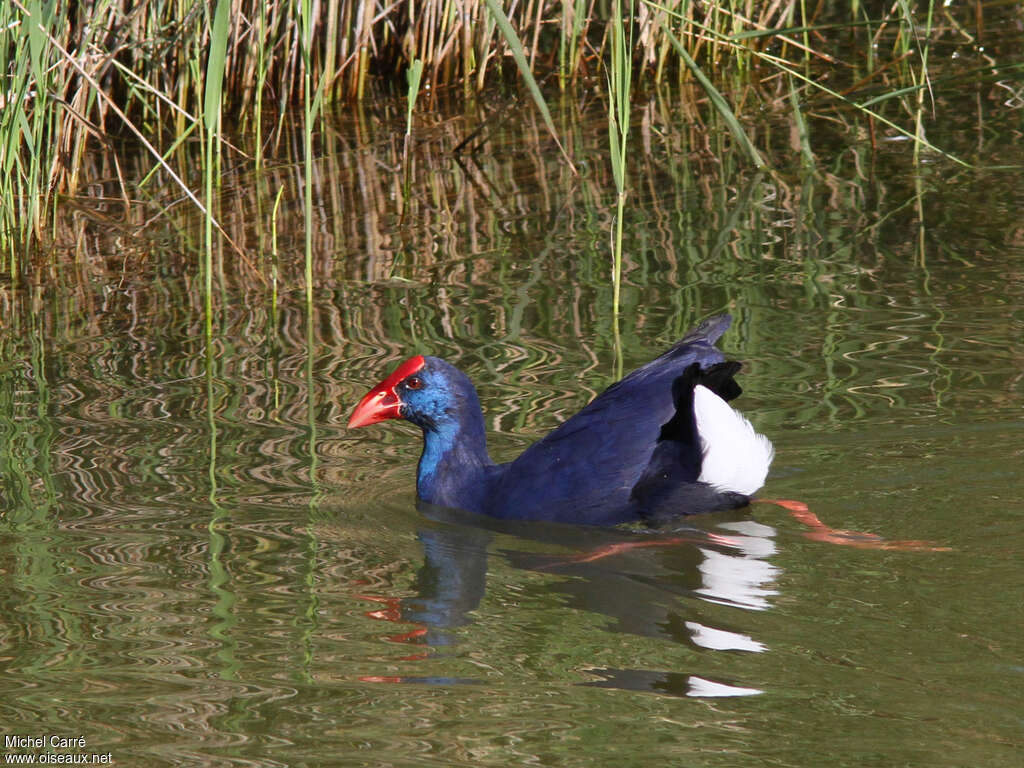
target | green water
[{"x": 201, "y": 566}]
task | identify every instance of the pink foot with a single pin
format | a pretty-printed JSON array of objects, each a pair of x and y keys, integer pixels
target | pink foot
[{"x": 821, "y": 532}]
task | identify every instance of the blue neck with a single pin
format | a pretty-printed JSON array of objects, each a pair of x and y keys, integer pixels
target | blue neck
[{"x": 454, "y": 467}]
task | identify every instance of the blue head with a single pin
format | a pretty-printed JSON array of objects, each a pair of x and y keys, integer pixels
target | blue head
[{"x": 441, "y": 400}]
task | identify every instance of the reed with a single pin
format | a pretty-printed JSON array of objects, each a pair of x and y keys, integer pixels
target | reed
[
  {"x": 83, "y": 77},
  {"x": 414, "y": 76},
  {"x": 213, "y": 96},
  {"x": 620, "y": 78},
  {"x": 311, "y": 100}
]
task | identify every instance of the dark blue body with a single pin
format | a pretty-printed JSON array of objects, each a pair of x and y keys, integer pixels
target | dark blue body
[{"x": 585, "y": 471}]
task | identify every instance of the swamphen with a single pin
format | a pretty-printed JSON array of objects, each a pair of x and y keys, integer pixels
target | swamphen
[{"x": 661, "y": 442}]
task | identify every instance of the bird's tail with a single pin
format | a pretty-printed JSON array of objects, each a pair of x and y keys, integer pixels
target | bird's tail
[
  {"x": 735, "y": 457},
  {"x": 711, "y": 329}
]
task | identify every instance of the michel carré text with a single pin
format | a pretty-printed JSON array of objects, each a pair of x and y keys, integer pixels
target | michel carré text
[{"x": 41, "y": 742}]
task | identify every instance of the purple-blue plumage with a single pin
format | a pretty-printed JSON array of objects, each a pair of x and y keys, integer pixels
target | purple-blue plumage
[{"x": 632, "y": 453}]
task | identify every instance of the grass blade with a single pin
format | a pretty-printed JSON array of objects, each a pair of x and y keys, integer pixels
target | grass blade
[
  {"x": 519, "y": 54},
  {"x": 718, "y": 101},
  {"x": 212, "y": 98}
]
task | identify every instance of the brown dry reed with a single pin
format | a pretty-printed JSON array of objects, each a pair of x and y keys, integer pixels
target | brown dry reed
[{"x": 83, "y": 75}]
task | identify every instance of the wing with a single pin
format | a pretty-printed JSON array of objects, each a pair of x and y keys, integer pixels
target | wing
[{"x": 584, "y": 470}]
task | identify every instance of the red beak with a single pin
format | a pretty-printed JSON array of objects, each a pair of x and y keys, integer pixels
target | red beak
[{"x": 382, "y": 402}]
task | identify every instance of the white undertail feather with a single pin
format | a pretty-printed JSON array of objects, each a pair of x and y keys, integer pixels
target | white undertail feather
[{"x": 736, "y": 458}]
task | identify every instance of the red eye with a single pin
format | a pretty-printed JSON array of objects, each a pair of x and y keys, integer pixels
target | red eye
[{"x": 414, "y": 382}]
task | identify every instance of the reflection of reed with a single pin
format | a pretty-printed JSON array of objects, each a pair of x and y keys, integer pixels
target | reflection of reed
[{"x": 467, "y": 208}]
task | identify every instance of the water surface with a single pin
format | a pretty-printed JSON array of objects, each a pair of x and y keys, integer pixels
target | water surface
[{"x": 202, "y": 566}]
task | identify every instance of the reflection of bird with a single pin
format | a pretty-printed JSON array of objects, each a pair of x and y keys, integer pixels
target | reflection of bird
[{"x": 661, "y": 442}]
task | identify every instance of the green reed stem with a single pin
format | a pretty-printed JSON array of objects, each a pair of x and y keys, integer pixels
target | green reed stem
[
  {"x": 806, "y": 34},
  {"x": 806, "y": 154},
  {"x": 620, "y": 78},
  {"x": 307, "y": 127},
  {"x": 261, "y": 79},
  {"x": 573, "y": 12},
  {"x": 212, "y": 97},
  {"x": 29, "y": 120},
  {"x": 923, "y": 80},
  {"x": 413, "y": 76},
  {"x": 15, "y": 134}
]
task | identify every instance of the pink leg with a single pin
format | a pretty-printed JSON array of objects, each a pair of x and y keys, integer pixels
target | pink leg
[{"x": 821, "y": 532}]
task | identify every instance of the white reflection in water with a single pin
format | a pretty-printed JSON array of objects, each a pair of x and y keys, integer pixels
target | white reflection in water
[
  {"x": 742, "y": 578},
  {"x": 722, "y": 640},
  {"x": 703, "y": 688}
]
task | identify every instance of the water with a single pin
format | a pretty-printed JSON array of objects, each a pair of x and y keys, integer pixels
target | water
[{"x": 202, "y": 566}]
